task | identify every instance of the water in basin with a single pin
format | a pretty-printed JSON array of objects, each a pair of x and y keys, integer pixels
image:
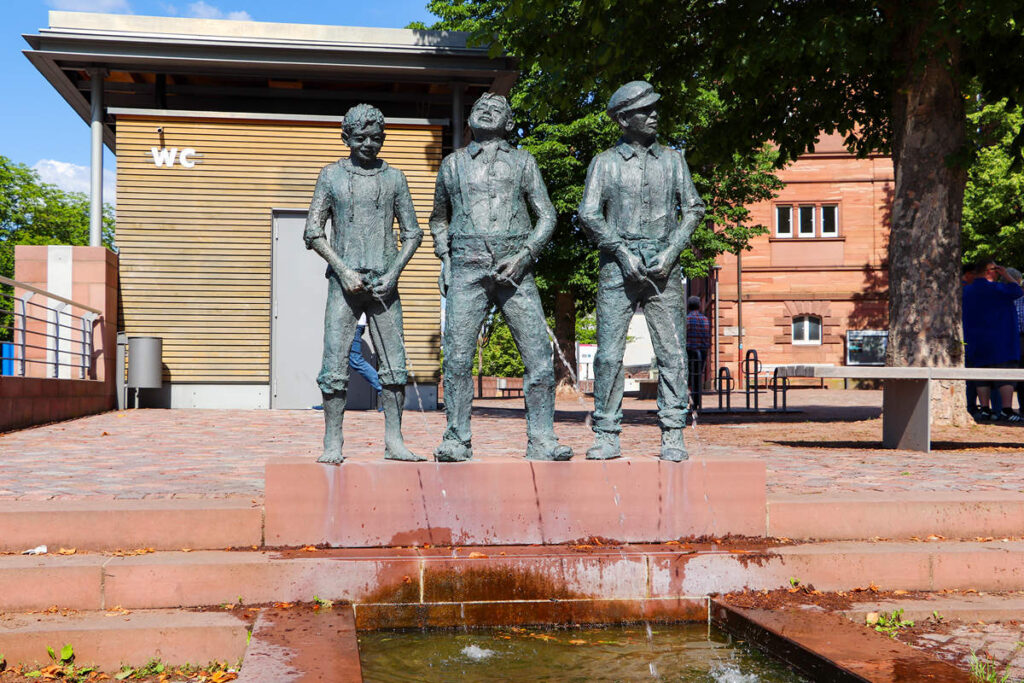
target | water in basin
[{"x": 687, "y": 652}]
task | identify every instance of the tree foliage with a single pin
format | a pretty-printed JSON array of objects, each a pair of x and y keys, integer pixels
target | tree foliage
[
  {"x": 888, "y": 75},
  {"x": 993, "y": 223},
  {"x": 565, "y": 133},
  {"x": 34, "y": 212}
]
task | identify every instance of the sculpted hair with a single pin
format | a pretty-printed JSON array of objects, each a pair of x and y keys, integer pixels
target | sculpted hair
[
  {"x": 489, "y": 96},
  {"x": 361, "y": 116}
]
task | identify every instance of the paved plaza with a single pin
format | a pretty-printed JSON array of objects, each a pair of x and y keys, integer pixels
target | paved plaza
[{"x": 831, "y": 443}]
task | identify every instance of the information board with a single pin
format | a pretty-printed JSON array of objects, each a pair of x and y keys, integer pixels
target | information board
[{"x": 866, "y": 347}]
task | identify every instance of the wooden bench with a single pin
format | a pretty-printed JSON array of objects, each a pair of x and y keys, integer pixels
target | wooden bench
[{"x": 906, "y": 395}]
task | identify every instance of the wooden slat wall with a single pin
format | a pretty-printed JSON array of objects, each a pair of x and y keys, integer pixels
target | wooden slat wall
[{"x": 195, "y": 243}]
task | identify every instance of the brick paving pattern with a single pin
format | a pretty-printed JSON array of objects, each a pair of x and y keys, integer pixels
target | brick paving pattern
[{"x": 832, "y": 444}]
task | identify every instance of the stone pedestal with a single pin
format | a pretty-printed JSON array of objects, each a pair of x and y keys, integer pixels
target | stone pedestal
[{"x": 505, "y": 501}]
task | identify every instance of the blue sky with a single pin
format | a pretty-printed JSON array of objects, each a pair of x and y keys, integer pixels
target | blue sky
[{"x": 39, "y": 129}]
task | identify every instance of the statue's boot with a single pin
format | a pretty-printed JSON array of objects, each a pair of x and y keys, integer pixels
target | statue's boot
[
  {"x": 453, "y": 450},
  {"x": 334, "y": 414},
  {"x": 606, "y": 447},
  {"x": 542, "y": 444},
  {"x": 393, "y": 401},
  {"x": 672, "y": 447},
  {"x": 547, "y": 448}
]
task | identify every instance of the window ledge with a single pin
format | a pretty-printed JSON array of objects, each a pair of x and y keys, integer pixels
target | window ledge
[{"x": 841, "y": 238}]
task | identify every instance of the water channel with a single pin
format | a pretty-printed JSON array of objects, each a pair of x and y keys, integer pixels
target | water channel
[{"x": 659, "y": 652}]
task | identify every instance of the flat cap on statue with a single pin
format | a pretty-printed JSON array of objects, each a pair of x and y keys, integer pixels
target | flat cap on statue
[{"x": 633, "y": 95}]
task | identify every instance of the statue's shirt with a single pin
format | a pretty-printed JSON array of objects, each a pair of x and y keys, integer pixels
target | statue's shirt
[
  {"x": 362, "y": 205},
  {"x": 638, "y": 194},
  {"x": 488, "y": 191}
]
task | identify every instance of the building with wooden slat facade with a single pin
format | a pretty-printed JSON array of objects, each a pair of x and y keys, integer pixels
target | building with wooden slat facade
[{"x": 220, "y": 129}]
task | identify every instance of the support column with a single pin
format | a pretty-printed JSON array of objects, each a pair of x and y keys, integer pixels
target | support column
[
  {"x": 96, "y": 188},
  {"x": 458, "y": 123}
]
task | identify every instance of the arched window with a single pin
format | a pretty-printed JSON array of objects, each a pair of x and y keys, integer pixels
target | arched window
[{"x": 807, "y": 330}]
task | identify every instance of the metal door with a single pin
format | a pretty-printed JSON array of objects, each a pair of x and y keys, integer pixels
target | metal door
[{"x": 299, "y": 294}]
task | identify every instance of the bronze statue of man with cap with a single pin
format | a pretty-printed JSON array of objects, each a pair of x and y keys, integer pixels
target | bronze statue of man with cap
[
  {"x": 483, "y": 235},
  {"x": 639, "y": 208}
]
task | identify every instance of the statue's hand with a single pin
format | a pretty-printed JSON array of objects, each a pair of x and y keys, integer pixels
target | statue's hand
[
  {"x": 514, "y": 267},
  {"x": 661, "y": 266},
  {"x": 385, "y": 286},
  {"x": 632, "y": 266},
  {"x": 444, "y": 279},
  {"x": 351, "y": 281}
]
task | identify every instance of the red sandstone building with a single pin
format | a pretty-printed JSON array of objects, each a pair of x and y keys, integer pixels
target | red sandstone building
[{"x": 820, "y": 272}]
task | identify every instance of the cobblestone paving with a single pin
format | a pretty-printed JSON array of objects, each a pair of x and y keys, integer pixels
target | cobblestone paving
[
  {"x": 832, "y": 444},
  {"x": 998, "y": 647}
]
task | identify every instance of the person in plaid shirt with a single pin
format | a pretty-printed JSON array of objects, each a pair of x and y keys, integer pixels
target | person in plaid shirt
[{"x": 698, "y": 343}]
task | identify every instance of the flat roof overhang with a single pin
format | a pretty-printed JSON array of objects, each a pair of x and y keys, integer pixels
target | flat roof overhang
[{"x": 240, "y": 66}]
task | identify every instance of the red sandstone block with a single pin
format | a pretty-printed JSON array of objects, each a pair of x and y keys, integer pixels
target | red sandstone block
[
  {"x": 89, "y": 254},
  {"x": 33, "y": 583},
  {"x": 209, "y": 578},
  {"x": 953, "y": 515},
  {"x": 108, "y": 525},
  {"x": 291, "y": 645},
  {"x": 89, "y": 271},
  {"x": 510, "y": 501},
  {"x": 982, "y": 566},
  {"x": 110, "y": 640},
  {"x": 31, "y": 272}
]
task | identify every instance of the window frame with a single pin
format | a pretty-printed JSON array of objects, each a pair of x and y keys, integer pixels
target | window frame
[
  {"x": 835, "y": 219},
  {"x": 800, "y": 221},
  {"x": 789, "y": 209},
  {"x": 803, "y": 320}
]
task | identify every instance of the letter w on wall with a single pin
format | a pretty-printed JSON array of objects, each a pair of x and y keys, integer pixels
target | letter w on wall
[{"x": 163, "y": 156}]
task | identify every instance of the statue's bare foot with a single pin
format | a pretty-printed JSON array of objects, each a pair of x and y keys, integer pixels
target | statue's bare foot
[
  {"x": 331, "y": 458},
  {"x": 606, "y": 447},
  {"x": 400, "y": 452}
]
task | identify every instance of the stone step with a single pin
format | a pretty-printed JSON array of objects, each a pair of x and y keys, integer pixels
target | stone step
[
  {"x": 853, "y": 516},
  {"x": 104, "y": 524},
  {"x": 968, "y": 608},
  {"x": 826, "y": 647},
  {"x": 299, "y": 644},
  {"x": 392, "y": 587},
  {"x": 110, "y": 639}
]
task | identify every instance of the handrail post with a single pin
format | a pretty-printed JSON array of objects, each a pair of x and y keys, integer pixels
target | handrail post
[{"x": 24, "y": 330}]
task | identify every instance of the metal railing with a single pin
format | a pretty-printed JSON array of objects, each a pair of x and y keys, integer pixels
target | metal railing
[{"x": 47, "y": 333}]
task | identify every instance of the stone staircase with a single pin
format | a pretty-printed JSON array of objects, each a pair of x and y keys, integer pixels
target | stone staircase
[{"x": 146, "y": 577}]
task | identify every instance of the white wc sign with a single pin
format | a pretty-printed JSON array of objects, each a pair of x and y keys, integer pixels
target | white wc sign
[{"x": 166, "y": 156}]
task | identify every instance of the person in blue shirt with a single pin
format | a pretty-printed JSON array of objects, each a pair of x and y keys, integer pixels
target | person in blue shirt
[{"x": 991, "y": 332}]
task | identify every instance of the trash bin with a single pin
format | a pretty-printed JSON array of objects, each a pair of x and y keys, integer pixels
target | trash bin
[{"x": 145, "y": 362}]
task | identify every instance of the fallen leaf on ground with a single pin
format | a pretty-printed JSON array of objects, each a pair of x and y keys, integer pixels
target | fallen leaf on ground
[
  {"x": 475, "y": 555},
  {"x": 577, "y": 642},
  {"x": 309, "y": 549},
  {"x": 67, "y": 551}
]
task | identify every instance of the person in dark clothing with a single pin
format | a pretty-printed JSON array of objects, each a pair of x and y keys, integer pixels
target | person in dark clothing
[
  {"x": 698, "y": 344},
  {"x": 991, "y": 332}
]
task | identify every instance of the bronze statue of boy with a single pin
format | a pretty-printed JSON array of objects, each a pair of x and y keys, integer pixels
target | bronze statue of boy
[
  {"x": 363, "y": 195},
  {"x": 483, "y": 235},
  {"x": 639, "y": 207}
]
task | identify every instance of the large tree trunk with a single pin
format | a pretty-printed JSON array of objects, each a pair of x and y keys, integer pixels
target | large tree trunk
[
  {"x": 924, "y": 242},
  {"x": 565, "y": 338}
]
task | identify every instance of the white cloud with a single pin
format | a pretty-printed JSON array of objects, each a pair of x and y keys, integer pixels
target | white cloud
[
  {"x": 74, "y": 178},
  {"x": 204, "y": 10},
  {"x": 109, "y": 6}
]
